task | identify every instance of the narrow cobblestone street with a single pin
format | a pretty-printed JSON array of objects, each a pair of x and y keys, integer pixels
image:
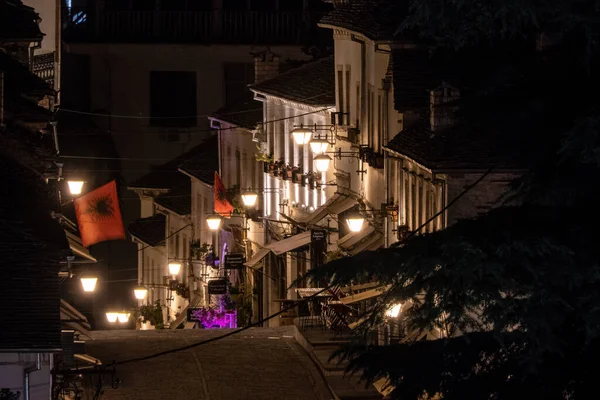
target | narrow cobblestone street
[{"x": 261, "y": 363}]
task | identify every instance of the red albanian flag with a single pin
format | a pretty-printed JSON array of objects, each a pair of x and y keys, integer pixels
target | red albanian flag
[
  {"x": 222, "y": 206},
  {"x": 99, "y": 216}
]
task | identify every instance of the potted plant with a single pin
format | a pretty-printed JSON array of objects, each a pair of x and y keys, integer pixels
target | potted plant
[
  {"x": 289, "y": 172},
  {"x": 297, "y": 174}
]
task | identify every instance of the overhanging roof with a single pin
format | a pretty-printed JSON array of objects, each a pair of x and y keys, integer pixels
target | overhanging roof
[
  {"x": 280, "y": 247},
  {"x": 77, "y": 248},
  {"x": 338, "y": 203}
]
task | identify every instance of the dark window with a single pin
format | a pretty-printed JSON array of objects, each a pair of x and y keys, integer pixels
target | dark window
[
  {"x": 173, "y": 98},
  {"x": 138, "y": 4},
  {"x": 291, "y": 5},
  {"x": 235, "y": 4},
  {"x": 262, "y": 5},
  {"x": 237, "y": 78},
  {"x": 199, "y": 5}
]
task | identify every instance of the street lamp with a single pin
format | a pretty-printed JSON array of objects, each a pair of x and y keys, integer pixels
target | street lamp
[
  {"x": 174, "y": 268},
  {"x": 75, "y": 187},
  {"x": 112, "y": 316},
  {"x": 249, "y": 198},
  {"x": 322, "y": 162},
  {"x": 355, "y": 221},
  {"x": 140, "y": 292},
  {"x": 123, "y": 317},
  {"x": 393, "y": 311},
  {"x": 214, "y": 222},
  {"x": 302, "y": 135},
  {"x": 319, "y": 146},
  {"x": 88, "y": 282}
]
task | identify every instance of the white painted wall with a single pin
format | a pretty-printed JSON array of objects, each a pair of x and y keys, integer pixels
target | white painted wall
[
  {"x": 120, "y": 85},
  {"x": 47, "y": 12},
  {"x": 12, "y": 374}
]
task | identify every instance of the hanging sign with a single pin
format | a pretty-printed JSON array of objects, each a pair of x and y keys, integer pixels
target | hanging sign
[
  {"x": 217, "y": 286},
  {"x": 190, "y": 314},
  {"x": 234, "y": 261},
  {"x": 318, "y": 247}
]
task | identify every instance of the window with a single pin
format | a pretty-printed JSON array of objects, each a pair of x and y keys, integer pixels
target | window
[
  {"x": 379, "y": 123},
  {"x": 346, "y": 118},
  {"x": 227, "y": 165},
  {"x": 173, "y": 98},
  {"x": 340, "y": 89},
  {"x": 238, "y": 168},
  {"x": 358, "y": 101},
  {"x": 237, "y": 78},
  {"x": 177, "y": 247}
]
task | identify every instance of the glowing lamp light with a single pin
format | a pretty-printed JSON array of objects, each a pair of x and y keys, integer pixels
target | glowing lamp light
[
  {"x": 140, "y": 292},
  {"x": 214, "y": 222},
  {"x": 88, "y": 283},
  {"x": 302, "y": 135},
  {"x": 75, "y": 187},
  {"x": 393, "y": 311},
  {"x": 174, "y": 268},
  {"x": 123, "y": 317},
  {"x": 355, "y": 222},
  {"x": 322, "y": 162},
  {"x": 319, "y": 146},
  {"x": 249, "y": 199},
  {"x": 112, "y": 317}
]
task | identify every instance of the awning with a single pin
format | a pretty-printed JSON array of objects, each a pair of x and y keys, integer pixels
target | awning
[
  {"x": 77, "y": 248},
  {"x": 351, "y": 239},
  {"x": 338, "y": 203},
  {"x": 280, "y": 247},
  {"x": 373, "y": 242},
  {"x": 355, "y": 242}
]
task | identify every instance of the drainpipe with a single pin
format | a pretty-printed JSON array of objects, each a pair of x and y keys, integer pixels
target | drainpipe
[{"x": 35, "y": 367}]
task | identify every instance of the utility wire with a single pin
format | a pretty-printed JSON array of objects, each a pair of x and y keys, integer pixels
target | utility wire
[
  {"x": 177, "y": 117},
  {"x": 214, "y": 339},
  {"x": 177, "y": 231},
  {"x": 289, "y": 307}
]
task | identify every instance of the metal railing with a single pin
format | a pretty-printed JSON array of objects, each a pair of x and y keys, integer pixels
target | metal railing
[{"x": 214, "y": 26}]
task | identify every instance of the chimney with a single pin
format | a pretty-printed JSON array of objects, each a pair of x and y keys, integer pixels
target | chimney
[
  {"x": 442, "y": 106},
  {"x": 266, "y": 65}
]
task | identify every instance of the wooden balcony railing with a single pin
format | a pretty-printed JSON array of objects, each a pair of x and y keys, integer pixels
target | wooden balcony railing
[
  {"x": 210, "y": 26},
  {"x": 43, "y": 66}
]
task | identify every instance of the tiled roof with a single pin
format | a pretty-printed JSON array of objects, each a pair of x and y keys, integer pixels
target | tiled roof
[
  {"x": 203, "y": 165},
  {"x": 453, "y": 148},
  {"x": 312, "y": 84},
  {"x": 376, "y": 19},
  {"x": 177, "y": 200},
  {"x": 17, "y": 21},
  {"x": 149, "y": 230},
  {"x": 246, "y": 113},
  {"x": 167, "y": 176},
  {"x": 32, "y": 244}
]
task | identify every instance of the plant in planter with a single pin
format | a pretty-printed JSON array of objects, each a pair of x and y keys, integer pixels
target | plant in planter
[
  {"x": 209, "y": 317},
  {"x": 199, "y": 251},
  {"x": 7, "y": 394},
  {"x": 152, "y": 313},
  {"x": 297, "y": 174},
  {"x": 261, "y": 156}
]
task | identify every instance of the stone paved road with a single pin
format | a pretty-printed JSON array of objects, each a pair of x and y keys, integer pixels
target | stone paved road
[{"x": 260, "y": 363}]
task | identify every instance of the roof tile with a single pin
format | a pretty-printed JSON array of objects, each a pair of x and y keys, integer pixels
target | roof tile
[
  {"x": 149, "y": 230},
  {"x": 312, "y": 84}
]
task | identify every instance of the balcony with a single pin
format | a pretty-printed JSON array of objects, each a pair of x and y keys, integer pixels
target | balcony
[
  {"x": 209, "y": 26},
  {"x": 43, "y": 66}
]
